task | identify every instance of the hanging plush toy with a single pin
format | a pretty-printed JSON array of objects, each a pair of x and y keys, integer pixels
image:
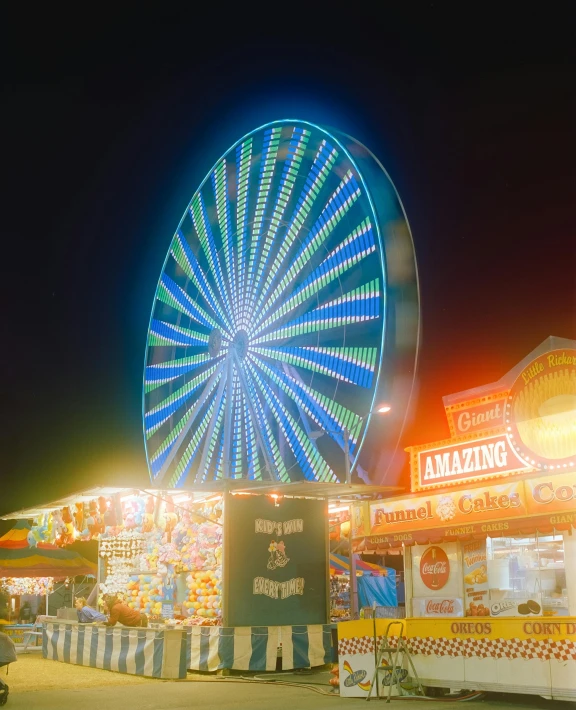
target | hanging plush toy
[
  {"x": 67, "y": 535},
  {"x": 99, "y": 518},
  {"x": 41, "y": 531},
  {"x": 79, "y": 516},
  {"x": 85, "y": 531},
  {"x": 50, "y": 528},
  {"x": 59, "y": 527},
  {"x": 91, "y": 523},
  {"x": 129, "y": 522},
  {"x": 110, "y": 519},
  {"x": 148, "y": 524},
  {"x": 171, "y": 519},
  {"x": 102, "y": 506},
  {"x": 139, "y": 513},
  {"x": 58, "y": 524}
]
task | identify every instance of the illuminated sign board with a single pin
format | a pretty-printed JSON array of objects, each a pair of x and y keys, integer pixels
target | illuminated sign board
[
  {"x": 474, "y": 417},
  {"x": 482, "y": 509},
  {"x": 541, "y": 410},
  {"x": 476, "y": 459}
]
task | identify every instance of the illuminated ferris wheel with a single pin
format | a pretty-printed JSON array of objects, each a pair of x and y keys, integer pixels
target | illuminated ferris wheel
[{"x": 272, "y": 315}]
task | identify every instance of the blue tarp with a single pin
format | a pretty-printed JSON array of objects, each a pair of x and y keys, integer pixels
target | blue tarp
[{"x": 381, "y": 590}]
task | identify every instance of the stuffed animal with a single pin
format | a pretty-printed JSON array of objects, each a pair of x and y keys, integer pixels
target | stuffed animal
[
  {"x": 95, "y": 519},
  {"x": 129, "y": 522},
  {"x": 109, "y": 516},
  {"x": 91, "y": 519},
  {"x": 139, "y": 513},
  {"x": 41, "y": 530},
  {"x": 58, "y": 524},
  {"x": 79, "y": 516},
  {"x": 67, "y": 535},
  {"x": 50, "y": 528},
  {"x": 148, "y": 524},
  {"x": 102, "y": 505},
  {"x": 170, "y": 518}
]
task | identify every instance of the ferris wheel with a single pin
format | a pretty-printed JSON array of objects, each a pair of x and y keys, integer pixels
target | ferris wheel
[{"x": 272, "y": 316}]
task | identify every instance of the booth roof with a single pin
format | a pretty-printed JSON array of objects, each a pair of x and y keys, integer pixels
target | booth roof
[{"x": 297, "y": 489}]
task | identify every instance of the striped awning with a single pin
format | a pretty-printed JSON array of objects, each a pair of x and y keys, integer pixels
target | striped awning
[
  {"x": 20, "y": 559},
  {"x": 339, "y": 563},
  {"x": 543, "y": 524}
]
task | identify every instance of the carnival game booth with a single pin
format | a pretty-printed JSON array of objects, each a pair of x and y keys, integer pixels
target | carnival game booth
[
  {"x": 489, "y": 539},
  {"x": 376, "y": 585},
  {"x": 229, "y": 579}
]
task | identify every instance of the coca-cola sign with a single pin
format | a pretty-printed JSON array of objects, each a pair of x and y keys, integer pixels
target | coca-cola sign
[
  {"x": 434, "y": 567},
  {"x": 437, "y": 607}
]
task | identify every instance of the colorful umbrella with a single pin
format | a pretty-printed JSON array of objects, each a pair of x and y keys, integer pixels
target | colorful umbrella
[{"x": 18, "y": 558}]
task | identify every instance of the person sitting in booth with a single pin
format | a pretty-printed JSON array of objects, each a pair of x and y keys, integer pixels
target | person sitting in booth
[
  {"x": 25, "y": 613},
  {"x": 119, "y": 612},
  {"x": 86, "y": 614}
]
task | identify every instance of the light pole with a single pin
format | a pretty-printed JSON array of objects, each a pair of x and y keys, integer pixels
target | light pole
[{"x": 382, "y": 409}]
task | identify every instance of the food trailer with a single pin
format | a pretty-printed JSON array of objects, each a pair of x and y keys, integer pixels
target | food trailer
[{"x": 489, "y": 540}]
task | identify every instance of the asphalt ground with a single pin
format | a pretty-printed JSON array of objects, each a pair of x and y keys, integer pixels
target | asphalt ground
[{"x": 39, "y": 684}]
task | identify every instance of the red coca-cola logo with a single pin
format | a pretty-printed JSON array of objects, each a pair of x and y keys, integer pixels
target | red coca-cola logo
[
  {"x": 434, "y": 567},
  {"x": 442, "y": 606}
]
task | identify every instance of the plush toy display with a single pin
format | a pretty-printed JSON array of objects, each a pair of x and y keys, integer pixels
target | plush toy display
[{"x": 154, "y": 551}]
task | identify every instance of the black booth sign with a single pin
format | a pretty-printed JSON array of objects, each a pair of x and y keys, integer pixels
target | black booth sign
[{"x": 277, "y": 563}]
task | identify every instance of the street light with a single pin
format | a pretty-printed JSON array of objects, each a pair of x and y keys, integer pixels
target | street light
[{"x": 382, "y": 409}]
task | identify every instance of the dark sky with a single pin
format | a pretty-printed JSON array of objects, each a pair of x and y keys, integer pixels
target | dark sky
[{"x": 110, "y": 122}]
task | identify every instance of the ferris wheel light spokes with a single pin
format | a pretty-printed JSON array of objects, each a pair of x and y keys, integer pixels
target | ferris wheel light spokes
[
  {"x": 220, "y": 189},
  {"x": 358, "y": 245},
  {"x": 295, "y": 150},
  {"x": 334, "y": 210},
  {"x": 346, "y": 364},
  {"x": 319, "y": 171},
  {"x": 157, "y": 375},
  {"x": 184, "y": 257},
  {"x": 356, "y": 306}
]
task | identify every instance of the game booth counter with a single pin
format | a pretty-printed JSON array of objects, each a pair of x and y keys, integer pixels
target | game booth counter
[
  {"x": 229, "y": 579},
  {"x": 489, "y": 541}
]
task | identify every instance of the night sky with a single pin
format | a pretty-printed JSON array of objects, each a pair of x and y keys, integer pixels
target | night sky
[{"x": 109, "y": 123}]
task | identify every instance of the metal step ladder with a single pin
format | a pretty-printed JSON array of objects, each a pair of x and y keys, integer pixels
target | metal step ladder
[{"x": 390, "y": 666}]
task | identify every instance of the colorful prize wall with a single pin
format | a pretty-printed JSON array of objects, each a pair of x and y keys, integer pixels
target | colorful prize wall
[{"x": 161, "y": 551}]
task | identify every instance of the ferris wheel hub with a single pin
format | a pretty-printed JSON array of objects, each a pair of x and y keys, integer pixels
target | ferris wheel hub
[
  {"x": 214, "y": 342},
  {"x": 240, "y": 344}
]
